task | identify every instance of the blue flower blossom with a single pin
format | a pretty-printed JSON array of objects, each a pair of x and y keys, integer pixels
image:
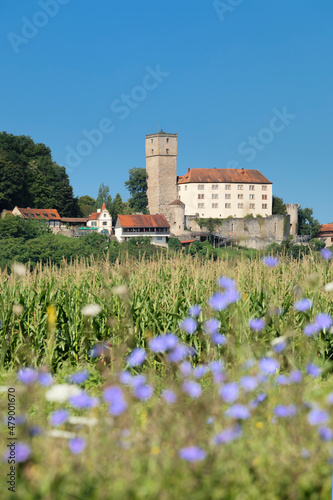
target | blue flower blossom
[
  {"x": 189, "y": 325},
  {"x": 144, "y": 392},
  {"x": 169, "y": 396},
  {"x": 163, "y": 343},
  {"x": 240, "y": 412},
  {"x": 270, "y": 261},
  {"x": 257, "y": 324},
  {"x": 296, "y": 377},
  {"x": 179, "y": 353},
  {"x": 194, "y": 311},
  {"x": 192, "y": 454},
  {"x": 83, "y": 400},
  {"x": 313, "y": 370},
  {"x": 229, "y": 392},
  {"x": 282, "y": 380},
  {"x": 27, "y": 376},
  {"x": 227, "y": 283},
  {"x": 317, "y": 417},
  {"x": 58, "y": 417},
  {"x": 211, "y": 326},
  {"x": 45, "y": 379},
  {"x": 268, "y": 365},
  {"x": 79, "y": 377},
  {"x": 200, "y": 371},
  {"x": 323, "y": 321},
  {"x": 303, "y": 305},
  {"x": 22, "y": 452},
  {"x": 249, "y": 383},
  {"x": 279, "y": 345},
  {"x": 77, "y": 445},
  {"x": 137, "y": 357},
  {"x": 219, "y": 339},
  {"x": 285, "y": 411},
  {"x": 325, "y": 433},
  {"x": 218, "y": 302},
  {"x": 326, "y": 253},
  {"x": 216, "y": 366},
  {"x": 228, "y": 435},
  {"x": 185, "y": 368},
  {"x": 192, "y": 388},
  {"x": 115, "y": 397}
]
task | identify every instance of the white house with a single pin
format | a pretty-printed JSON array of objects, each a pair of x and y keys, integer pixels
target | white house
[
  {"x": 155, "y": 227},
  {"x": 101, "y": 219}
]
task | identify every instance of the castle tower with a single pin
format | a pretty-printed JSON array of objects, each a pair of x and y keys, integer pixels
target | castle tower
[
  {"x": 161, "y": 167},
  {"x": 292, "y": 210}
]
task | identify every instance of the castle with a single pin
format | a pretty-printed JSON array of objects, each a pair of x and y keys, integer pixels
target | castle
[{"x": 206, "y": 192}]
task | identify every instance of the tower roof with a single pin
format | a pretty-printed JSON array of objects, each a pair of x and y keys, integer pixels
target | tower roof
[
  {"x": 161, "y": 134},
  {"x": 178, "y": 202}
]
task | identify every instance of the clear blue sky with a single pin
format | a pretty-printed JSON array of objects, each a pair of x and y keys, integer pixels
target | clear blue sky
[{"x": 224, "y": 77}]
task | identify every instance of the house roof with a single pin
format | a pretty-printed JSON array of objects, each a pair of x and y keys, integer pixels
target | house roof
[
  {"x": 178, "y": 202},
  {"x": 223, "y": 175},
  {"x": 79, "y": 220},
  {"x": 39, "y": 213},
  {"x": 143, "y": 221},
  {"x": 326, "y": 228},
  {"x": 183, "y": 242},
  {"x": 94, "y": 216}
]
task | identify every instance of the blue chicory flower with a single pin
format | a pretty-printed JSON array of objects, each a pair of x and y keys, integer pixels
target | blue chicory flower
[
  {"x": 79, "y": 377},
  {"x": 218, "y": 301},
  {"x": 248, "y": 383},
  {"x": 240, "y": 412},
  {"x": 22, "y": 452},
  {"x": 270, "y": 261},
  {"x": 169, "y": 396},
  {"x": 27, "y": 375},
  {"x": 296, "y": 377},
  {"x": 137, "y": 357},
  {"x": 227, "y": 283},
  {"x": 45, "y": 379},
  {"x": 279, "y": 345},
  {"x": 317, "y": 417},
  {"x": 285, "y": 411},
  {"x": 192, "y": 454},
  {"x": 303, "y": 305},
  {"x": 192, "y": 388},
  {"x": 326, "y": 253},
  {"x": 323, "y": 321},
  {"x": 228, "y": 435},
  {"x": 211, "y": 326},
  {"x": 194, "y": 311},
  {"x": 77, "y": 445},
  {"x": 313, "y": 370},
  {"x": 144, "y": 392},
  {"x": 163, "y": 343},
  {"x": 58, "y": 417},
  {"x": 83, "y": 400},
  {"x": 219, "y": 339},
  {"x": 268, "y": 365},
  {"x": 189, "y": 325},
  {"x": 200, "y": 371},
  {"x": 229, "y": 392},
  {"x": 257, "y": 324},
  {"x": 325, "y": 433}
]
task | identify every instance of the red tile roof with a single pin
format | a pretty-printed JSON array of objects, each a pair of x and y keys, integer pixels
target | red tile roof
[
  {"x": 178, "y": 203},
  {"x": 223, "y": 175},
  {"x": 39, "y": 213},
  {"x": 183, "y": 242},
  {"x": 94, "y": 216},
  {"x": 103, "y": 206},
  {"x": 142, "y": 221},
  {"x": 326, "y": 228}
]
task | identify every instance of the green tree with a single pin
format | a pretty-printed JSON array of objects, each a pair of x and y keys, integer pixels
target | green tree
[
  {"x": 117, "y": 208},
  {"x": 137, "y": 186},
  {"x": 307, "y": 224},
  {"x": 174, "y": 244},
  {"x": 86, "y": 205},
  {"x": 278, "y": 206},
  {"x": 13, "y": 226},
  {"x": 103, "y": 197}
]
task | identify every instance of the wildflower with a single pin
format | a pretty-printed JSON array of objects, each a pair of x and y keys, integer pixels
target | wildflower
[
  {"x": 323, "y": 321},
  {"x": 325, "y": 433},
  {"x": 27, "y": 375},
  {"x": 144, "y": 392},
  {"x": 60, "y": 393},
  {"x": 91, "y": 310},
  {"x": 329, "y": 398},
  {"x": 194, "y": 311},
  {"x": 79, "y": 377},
  {"x": 200, "y": 371},
  {"x": 192, "y": 454},
  {"x": 83, "y": 400},
  {"x": 83, "y": 421},
  {"x": 137, "y": 381},
  {"x": 326, "y": 253},
  {"x": 303, "y": 305},
  {"x": 169, "y": 396},
  {"x": 185, "y": 368},
  {"x": 35, "y": 430},
  {"x": 216, "y": 366},
  {"x": 283, "y": 380},
  {"x": 179, "y": 352},
  {"x": 329, "y": 287},
  {"x": 137, "y": 357},
  {"x": 268, "y": 365},
  {"x": 218, "y": 302},
  {"x": 125, "y": 378},
  {"x": 77, "y": 445},
  {"x": 270, "y": 261},
  {"x": 295, "y": 376},
  {"x": 279, "y": 344},
  {"x": 22, "y": 452},
  {"x": 19, "y": 269},
  {"x": 228, "y": 435},
  {"x": 310, "y": 329},
  {"x": 285, "y": 411},
  {"x": 59, "y": 417},
  {"x": 115, "y": 397},
  {"x": 317, "y": 417},
  {"x": 99, "y": 350},
  {"x": 45, "y": 379},
  {"x": 219, "y": 339},
  {"x": 163, "y": 343},
  {"x": 313, "y": 370},
  {"x": 211, "y": 326},
  {"x": 189, "y": 325},
  {"x": 192, "y": 388},
  {"x": 238, "y": 411},
  {"x": 62, "y": 434},
  {"x": 229, "y": 392},
  {"x": 227, "y": 283},
  {"x": 249, "y": 383},
  {"x": 256, "y": 402},
  {"x": 257, "y": 324},
  {"x": 210, "y": 420},
  {"x": 232, "y": 296},
  {"x": 18, "y": 309}
]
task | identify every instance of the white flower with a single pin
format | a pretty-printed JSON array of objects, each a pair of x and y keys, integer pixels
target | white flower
[
  {"x": 60, "y": 393},
  {"x": 3, "y": 388},
  {"x": 120, "y": 290},
  {"x": 91, "y": 310},
  {"x": 19, "y": 269},
  {"x": 329, "y": 287},
  {"x": 17, "y": 309},
  {"x": 61, "y": 434},
  {"x": 83, "y": 421}
]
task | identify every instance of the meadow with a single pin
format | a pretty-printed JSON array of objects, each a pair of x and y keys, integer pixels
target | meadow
[{"x": 180, "y": 377}]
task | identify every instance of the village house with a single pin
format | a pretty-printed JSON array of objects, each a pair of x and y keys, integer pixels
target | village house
[
  {"x": 50, "y": 215},
  {"x": 156, "y": 227},
  {"x": 101, "y": 220},
  {"x": 326, "y": 234}
]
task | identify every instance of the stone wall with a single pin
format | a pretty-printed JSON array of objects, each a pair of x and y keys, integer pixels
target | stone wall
[{"x": 257, "y": 233}]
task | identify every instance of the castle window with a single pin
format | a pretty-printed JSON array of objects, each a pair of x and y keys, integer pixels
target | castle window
[
  {"x": 215, "y": 196},
  {"x": 251, "y": 187},
  {"x": 167, "y": 151},
  {"x": 264, "y": 188},
  {"x": 252, "y": 206},
  {"x": 201, "y": 196},
  {"x": 201, "y": 205},
  {"x": 264, "y": 196},
  {"x": 167, "y": 139},
  {"x": 228, "y": 186},
  {"x": 240, "y": 196},
  {"x": 186, "y": 188},
  {"x": 240, "y": 187},
  {"x": 201, "y": 186},
  {"x": 151, "y": 140},
  {"x": 215, "y": 205},
  {"x": 251, "y": 196},
  {"x": 215, "y": 186},
  {"x": 264, "y": 205},
  {"x": 240, "y": 205},
  {"x": 228, "y": 196},
  {"x": 105, "y": 223},
  {"x": 227, "y": 205},
  {"x": 152, "y": 151}
]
